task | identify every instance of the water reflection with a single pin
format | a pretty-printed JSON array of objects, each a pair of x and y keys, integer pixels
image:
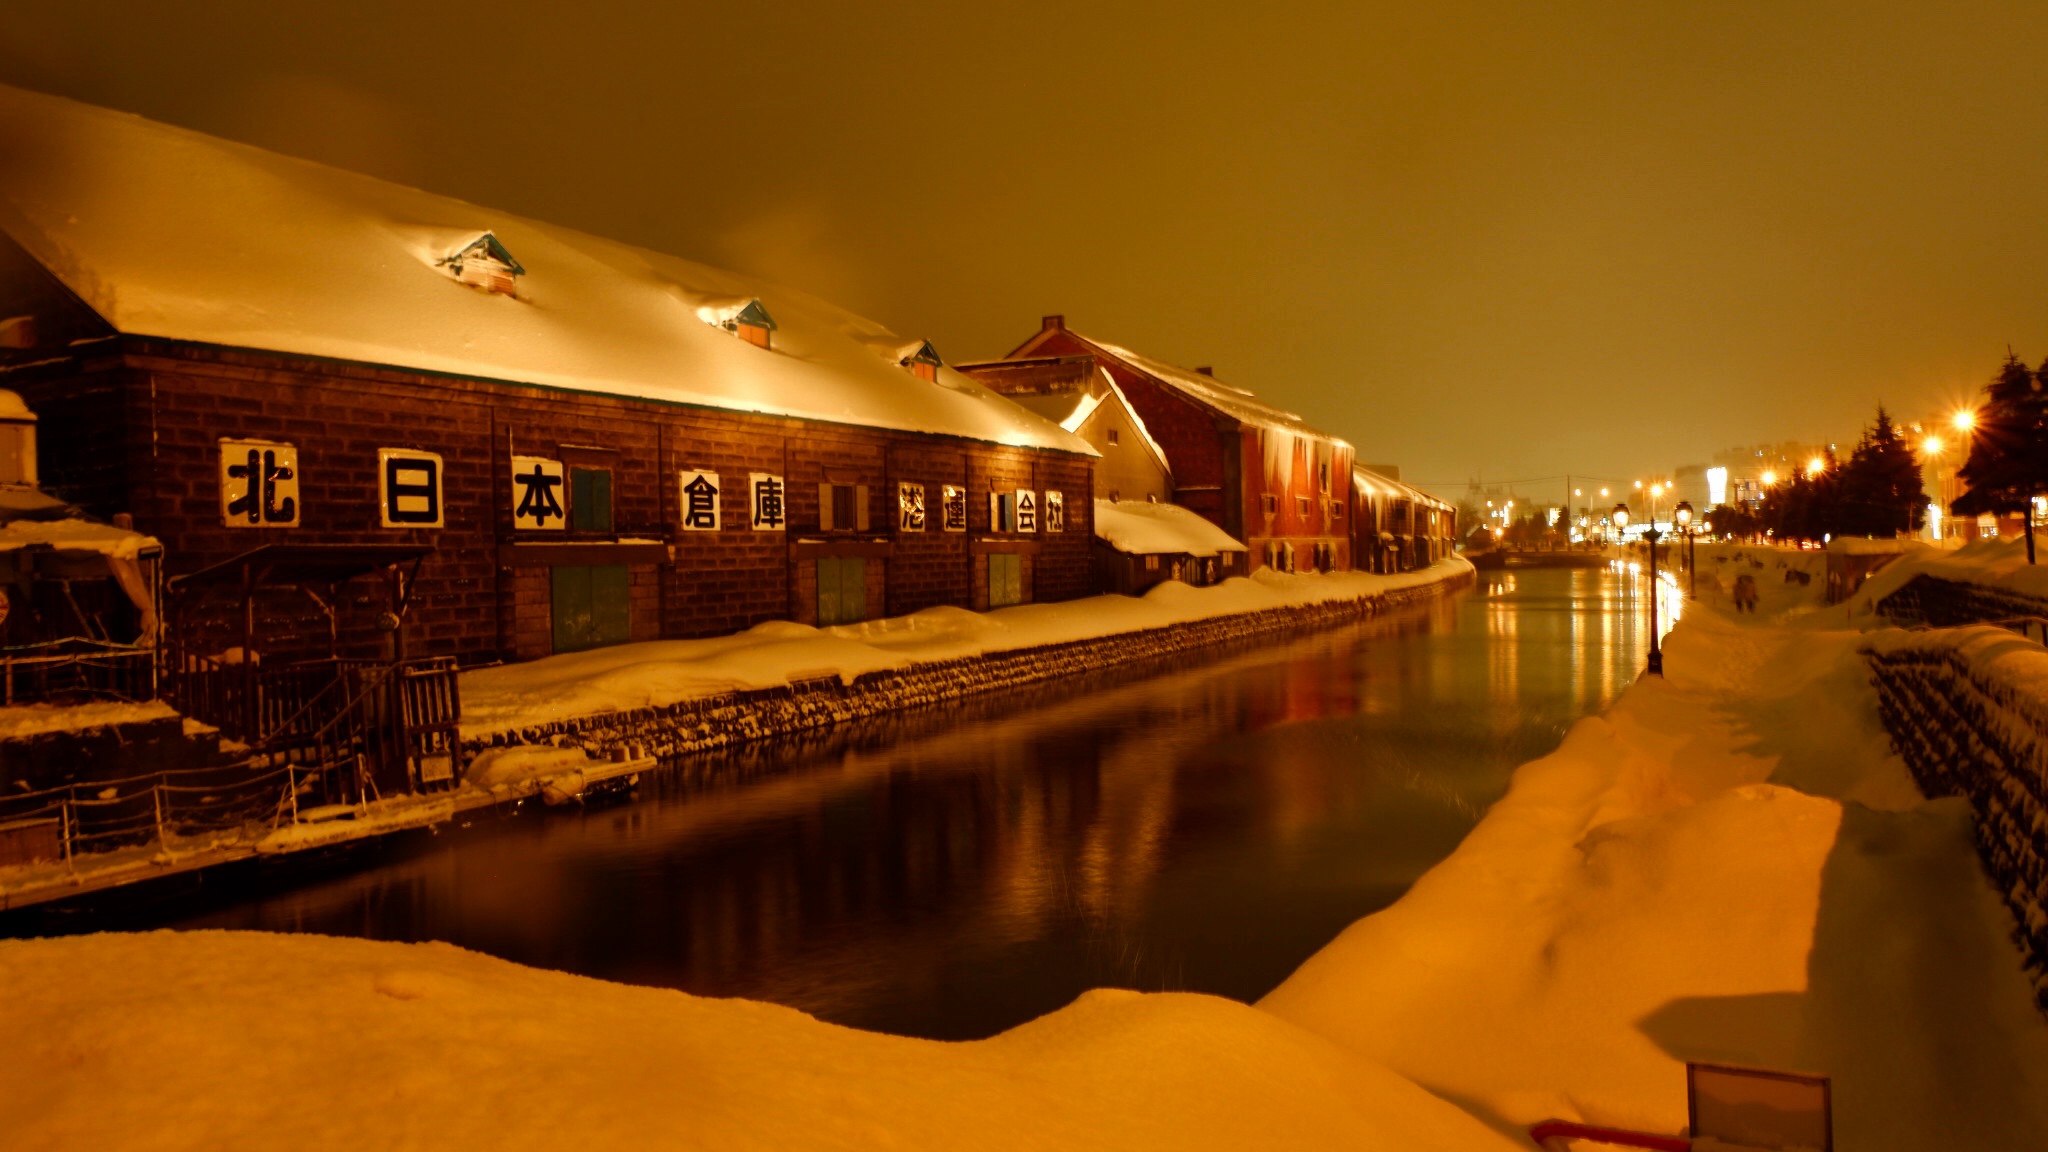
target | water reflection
[{"x": 955, "y": 873}]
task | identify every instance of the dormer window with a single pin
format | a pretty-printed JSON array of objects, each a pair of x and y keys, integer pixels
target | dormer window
[
  {"x": 484, "y": 263},
  {"x": 922, "y": 360},
  {"x": 745, "y": 319}
]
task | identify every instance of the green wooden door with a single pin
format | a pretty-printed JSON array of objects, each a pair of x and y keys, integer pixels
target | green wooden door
[
  {"x": 592, "y": 606},
  {"x": 1005, "y": 579},
  {"x": 842, "y": 590}
]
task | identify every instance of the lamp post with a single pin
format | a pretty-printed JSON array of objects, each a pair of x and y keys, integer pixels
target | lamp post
[
  {"x": 1683, "y": 515},
  {"x": 1655, "y": 667}
]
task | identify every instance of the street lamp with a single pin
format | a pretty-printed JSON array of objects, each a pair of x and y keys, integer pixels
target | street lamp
[
  {"x": 1655, "y": 667},
  {"x": 1683, "y": 515}
]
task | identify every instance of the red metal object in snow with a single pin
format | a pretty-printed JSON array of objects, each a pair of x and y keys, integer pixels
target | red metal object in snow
[{"x": 1567, "y": 1130}]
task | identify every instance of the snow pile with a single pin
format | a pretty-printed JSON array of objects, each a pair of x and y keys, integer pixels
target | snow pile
[
  {"x": 1141, "y": 528},
  {"x": 1998, "y": 564},
  {"x": 241, "y": 1040},
  {"x": 662, "y": 672},
  {"x": 170, "y": 233},
  {"x": 83, "y": 536},
  {"x": 498, "y": 767},
  {"x": 1728, "y": 866},
  {"x": 21, "y": 721}
]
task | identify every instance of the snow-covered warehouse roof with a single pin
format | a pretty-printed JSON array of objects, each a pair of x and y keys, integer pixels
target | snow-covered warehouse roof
[
  {"x": 1231, "y": 401},
  {"x": 1379, "y": 486},
  {"x": 1141, "y": 528},
  {"x": 169, "y": 233}
]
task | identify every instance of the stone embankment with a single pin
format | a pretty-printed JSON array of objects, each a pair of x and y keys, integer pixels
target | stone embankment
[
  {"x": 1967, "y": 709},
  {"x": 735, "y": 718},
  {"x": 1943, "y": 603}
]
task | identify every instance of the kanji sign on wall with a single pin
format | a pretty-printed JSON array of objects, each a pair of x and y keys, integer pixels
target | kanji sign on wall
[
  {"x": 910, "y": 507},
  {"x": 259, "y": 484},
  {"x": 1055, "y": 512},
  {"x": 409, "y": 488},
  {"x": 1027, "y": 510},
  {"x": 539, "y": 492},
  {"x": 765, "y": 502},
  {"x": 699, "y": 502},
  {"x": 953, "y": 507}
]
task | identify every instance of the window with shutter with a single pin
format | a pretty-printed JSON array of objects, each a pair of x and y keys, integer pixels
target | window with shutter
[{"x": 590, "y": 499}]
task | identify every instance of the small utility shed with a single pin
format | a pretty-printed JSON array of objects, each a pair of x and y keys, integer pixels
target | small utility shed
[
  {"x": 594, "y": 442},
  {"x": 1142, "y": 543}
]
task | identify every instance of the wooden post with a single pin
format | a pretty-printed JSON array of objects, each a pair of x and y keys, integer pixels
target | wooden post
[{"x": 251, "y": 714}]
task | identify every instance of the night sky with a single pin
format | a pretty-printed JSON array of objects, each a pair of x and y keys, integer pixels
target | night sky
[{"x": 1503, "y": 237}]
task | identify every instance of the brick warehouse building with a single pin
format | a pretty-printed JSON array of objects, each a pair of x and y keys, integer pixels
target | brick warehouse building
[
  {"x": 1262, "y": 474},
  {"x": 589, "y": 442}
]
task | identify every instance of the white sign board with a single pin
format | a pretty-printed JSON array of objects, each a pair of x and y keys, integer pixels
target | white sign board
[
  {"x": 409, "y": 488},
  {"x": 910, "y": 507},
  {"x": 766, "y": 502},
  {"x": 699, "y": 501},
  {"x": 953, "y": 507},
  {"x": 1753, "y": 1108},
  {"x": 259, "y": 484},
  {"x": 1055, "y": 512},
  {"x": 1027, "y": 510},
  {"x": 539, "y": 494}
]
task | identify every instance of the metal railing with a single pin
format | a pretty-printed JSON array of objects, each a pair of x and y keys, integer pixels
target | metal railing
[
  {"x": 357, "y": 721},
  {"x": 77, "y": 666},
  {"x": 69, "y": 821}
]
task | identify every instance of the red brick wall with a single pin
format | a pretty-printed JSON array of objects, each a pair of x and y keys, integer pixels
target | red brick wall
[
  {"x": 930, "y": 567},
  {"x": 141, "y": 435}
]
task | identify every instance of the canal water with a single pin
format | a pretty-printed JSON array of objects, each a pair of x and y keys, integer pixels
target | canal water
[{"x": 957, "y": 872}]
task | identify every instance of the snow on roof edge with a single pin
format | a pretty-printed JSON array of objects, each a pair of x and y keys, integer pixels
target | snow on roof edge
[{"x": 172, "y": 234}]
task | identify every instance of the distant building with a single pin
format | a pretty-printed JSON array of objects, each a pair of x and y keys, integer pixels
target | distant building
[
  {"x": 1263, "y": 475},
  {"x": 1077, "y": 393},
  {"x": 1397, "y": 527}
]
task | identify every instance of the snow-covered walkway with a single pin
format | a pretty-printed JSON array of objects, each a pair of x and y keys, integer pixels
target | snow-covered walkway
[
  {"x": 1727, "y": 865},
  {"x": 662, "y": 672}
]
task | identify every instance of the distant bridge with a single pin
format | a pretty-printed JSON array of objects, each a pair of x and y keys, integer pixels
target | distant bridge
[{"x": 1536, "y": 558}]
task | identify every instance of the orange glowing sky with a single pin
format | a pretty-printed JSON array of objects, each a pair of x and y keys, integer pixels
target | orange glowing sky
[{"x": 1596, "y": 238}]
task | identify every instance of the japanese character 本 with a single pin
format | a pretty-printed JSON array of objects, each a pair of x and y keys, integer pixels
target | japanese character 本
[{"x": 537, "y": 496}]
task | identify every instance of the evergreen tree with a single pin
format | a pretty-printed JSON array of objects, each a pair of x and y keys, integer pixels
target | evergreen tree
[
  {"x": 1806, "y": 507},
  {"x": 2008, "y": 462},
  {"x": 1881, "y": 492}
]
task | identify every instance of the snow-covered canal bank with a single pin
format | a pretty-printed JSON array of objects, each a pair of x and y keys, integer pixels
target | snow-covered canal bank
[
  {"x": 1727, "y": 865},
  {"x": 955, "y": 874}
]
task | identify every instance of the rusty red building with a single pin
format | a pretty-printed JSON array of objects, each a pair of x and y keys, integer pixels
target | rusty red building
[
  {"x": 546, "y": 440},
  {"x": 1262, "y": 474}
]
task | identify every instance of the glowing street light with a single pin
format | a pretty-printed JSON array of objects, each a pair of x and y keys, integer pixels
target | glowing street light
[
  {"x": 1769, "y": 478},
  {"x": 1816, "y": 466},
  {"x": 1655, "y": 666},
  {"x": 1964, "y": 420},
  {"x": 1932, "y": 446}
]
